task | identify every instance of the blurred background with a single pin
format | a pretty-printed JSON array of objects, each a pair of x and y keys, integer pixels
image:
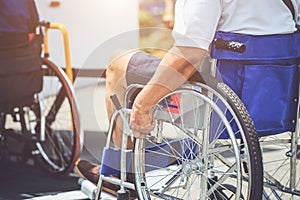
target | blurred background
[{"x": 96, "y": 29}]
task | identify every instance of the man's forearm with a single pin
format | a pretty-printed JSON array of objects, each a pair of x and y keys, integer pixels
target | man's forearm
[
  {"x": 176, "y": 67},
  {"x": 169, "y": 6}
]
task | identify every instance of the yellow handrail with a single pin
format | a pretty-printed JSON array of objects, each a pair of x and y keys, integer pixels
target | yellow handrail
[{"x": 65, "y": 35}]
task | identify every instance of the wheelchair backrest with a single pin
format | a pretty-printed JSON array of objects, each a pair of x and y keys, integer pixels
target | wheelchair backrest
[{"x": 265, "y": 77}]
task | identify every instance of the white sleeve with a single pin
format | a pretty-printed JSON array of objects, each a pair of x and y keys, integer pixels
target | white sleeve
[
  {"x": 196, "y": 22},
  {"x": 297, "y": 10}
]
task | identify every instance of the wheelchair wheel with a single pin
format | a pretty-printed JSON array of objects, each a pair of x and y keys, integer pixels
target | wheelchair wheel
[
  {"x": 281, "y": 156},
  {"x": 57, "y": 122},
  {"x": 204, "y": 146}
]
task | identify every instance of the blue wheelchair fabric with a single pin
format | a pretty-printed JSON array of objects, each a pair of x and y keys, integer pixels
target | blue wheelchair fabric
[
  {"x": 156, "y": 156},
  {"x": 265, "y": 77}
]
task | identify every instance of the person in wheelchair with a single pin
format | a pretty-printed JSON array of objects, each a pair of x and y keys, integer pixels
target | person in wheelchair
[
  {"x": 38, "y": 107},
  {"x": 197, "y": 25},
  {"x": 20, "y": 52}
]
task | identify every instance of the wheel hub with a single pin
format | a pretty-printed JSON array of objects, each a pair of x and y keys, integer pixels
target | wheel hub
[{"x": 190, "y": 167}]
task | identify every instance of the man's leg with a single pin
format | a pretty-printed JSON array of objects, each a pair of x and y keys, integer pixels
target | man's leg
[
  {"x": 141, "y": 68},
  {"x": 116, "y": 84}
]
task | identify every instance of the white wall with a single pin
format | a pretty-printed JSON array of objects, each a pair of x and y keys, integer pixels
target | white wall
[
  {"x": 96, "y": 28},
  {"x": 90, "y": 23}
]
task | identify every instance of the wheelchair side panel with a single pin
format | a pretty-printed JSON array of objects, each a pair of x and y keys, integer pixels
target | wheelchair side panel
[
  {"x": 269, "y": 92},
  {"x": 266, "y": 80}
]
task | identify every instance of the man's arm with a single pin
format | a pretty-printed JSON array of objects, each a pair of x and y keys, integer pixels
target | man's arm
[
  {"x": 168, "y": 16},
  {"x": 178, "y": 65}
]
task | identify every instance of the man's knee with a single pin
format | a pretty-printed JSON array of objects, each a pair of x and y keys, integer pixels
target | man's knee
[
  {"x": 115, "y": 69},
  {"x": 118, "y": 64}
]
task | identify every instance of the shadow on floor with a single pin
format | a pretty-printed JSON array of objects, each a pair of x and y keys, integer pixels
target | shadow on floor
[{"x": 19, "y": 180}]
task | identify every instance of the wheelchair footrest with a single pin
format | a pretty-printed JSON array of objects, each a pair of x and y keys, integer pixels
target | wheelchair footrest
[{"x": 88, "y": 188}]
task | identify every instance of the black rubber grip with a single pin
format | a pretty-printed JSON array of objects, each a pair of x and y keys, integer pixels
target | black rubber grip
[
  {"x": 45, "y": 24},
  {"x": 115, "y": 101},
  {"x": 230, "y": 45}
]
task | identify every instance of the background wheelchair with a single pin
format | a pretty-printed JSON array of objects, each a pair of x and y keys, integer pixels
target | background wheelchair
[{"x": 42, "y": 113}]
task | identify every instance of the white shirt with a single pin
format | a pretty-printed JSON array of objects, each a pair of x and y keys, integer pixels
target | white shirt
[{"x": 196, "y": 21}]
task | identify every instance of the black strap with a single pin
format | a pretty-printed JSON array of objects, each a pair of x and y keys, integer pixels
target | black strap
[{"x": 289, "y": 4}]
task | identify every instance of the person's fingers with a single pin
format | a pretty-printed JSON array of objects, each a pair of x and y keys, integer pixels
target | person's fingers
[
  {"x": 139, "y": 135},
  {"x": 141, "y": 131}
]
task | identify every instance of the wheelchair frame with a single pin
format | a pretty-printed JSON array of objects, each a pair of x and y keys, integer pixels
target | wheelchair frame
[
  {"x": 250, "y": 139},
  {"x": 268, "y": 186},
  {"x": 54, "y": 145}
]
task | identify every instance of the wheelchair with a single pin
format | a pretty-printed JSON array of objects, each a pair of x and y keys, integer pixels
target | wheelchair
[
  {"x": 41, "y": 113},
  {"x": 185, "y": 157},
  {"x": 205, "y": 146}
]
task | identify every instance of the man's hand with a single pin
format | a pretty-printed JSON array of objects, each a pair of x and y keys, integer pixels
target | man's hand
[
  {"x": 175, "y": 68},
  {"x": 141, "y": 122}
]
